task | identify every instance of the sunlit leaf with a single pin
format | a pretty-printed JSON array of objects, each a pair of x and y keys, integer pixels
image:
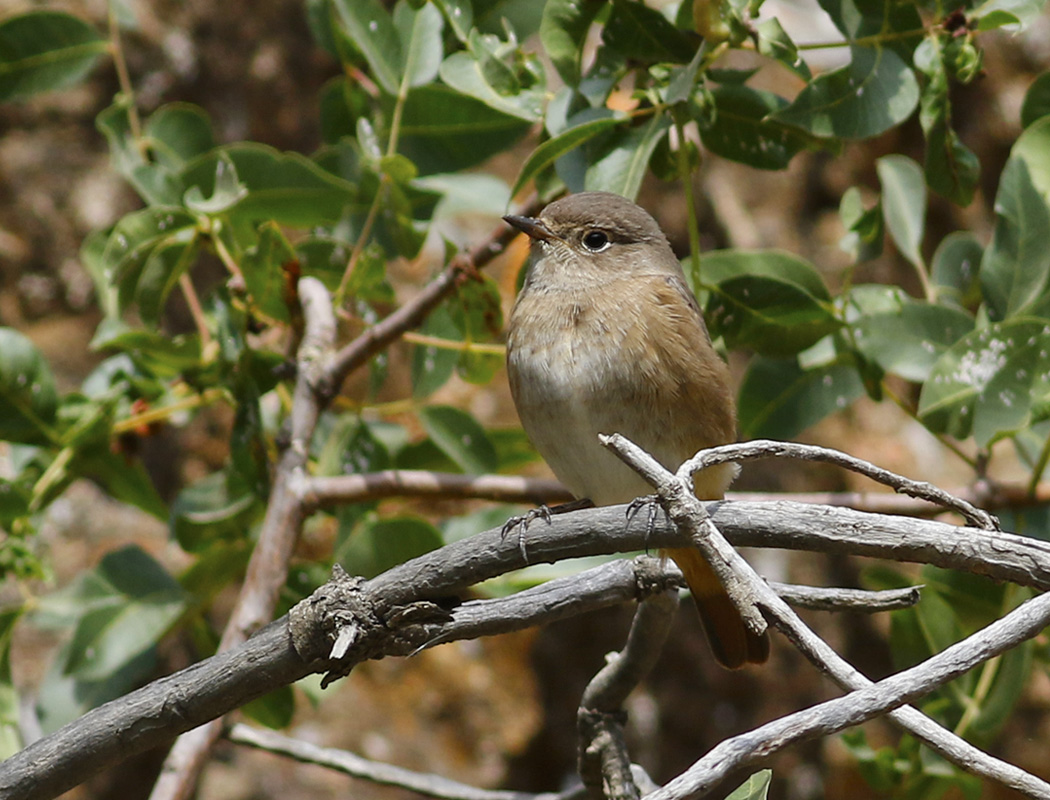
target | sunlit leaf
[
  {"x": 874, "y": 92},
  {"x": 904, "y": 204}
]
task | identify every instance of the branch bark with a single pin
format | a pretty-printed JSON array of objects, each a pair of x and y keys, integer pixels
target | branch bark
[{"x": 152, "y": 715}]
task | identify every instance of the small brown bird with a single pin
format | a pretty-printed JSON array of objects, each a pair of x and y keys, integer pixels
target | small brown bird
[{"x": 606, "y": 337}]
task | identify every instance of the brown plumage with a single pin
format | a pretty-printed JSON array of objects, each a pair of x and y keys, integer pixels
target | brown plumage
[{"x": 606, "y": 337}]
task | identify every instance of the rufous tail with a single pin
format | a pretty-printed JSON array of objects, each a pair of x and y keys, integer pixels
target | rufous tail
[{"x": 733, "y": 643}]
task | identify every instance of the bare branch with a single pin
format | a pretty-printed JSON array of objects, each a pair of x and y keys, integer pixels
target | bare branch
[
  {"x": 604, "y": 763},
  {"x": 766, "y": 448},
  {"x": 268, "y": 567},
  {"x": 378, "y": 772},
  {"x": 150, "y": 716},
  {"x": 320, "y": 492},
  {"x": 863, "y": 704},
  {"x": 834, "y": 599}
]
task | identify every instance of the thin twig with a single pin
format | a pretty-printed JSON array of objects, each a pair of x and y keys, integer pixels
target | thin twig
[
  {"x": 320, "y": 492},
  {"x": 766, "y": 448},
  {"x": 377, "y": 772},
  {"x": 819, "y": 598},
  {"x": 412, "y": 313}
]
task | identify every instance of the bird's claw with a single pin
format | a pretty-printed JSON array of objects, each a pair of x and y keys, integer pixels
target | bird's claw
[
  {"x": 522, "y": 522},
  {"x": 650, "y": 502}
]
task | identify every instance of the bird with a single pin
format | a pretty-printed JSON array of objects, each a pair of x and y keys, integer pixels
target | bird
[{"x": 606, "y": 337}]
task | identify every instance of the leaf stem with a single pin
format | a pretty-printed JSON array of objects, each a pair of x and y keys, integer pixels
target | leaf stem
[
  {"x": 163, "y": 413},
  {"x": 123, "y": 77},
  {"x": 864, "y": 41},
  {"x": 686, "y": 174},
  {"x": 1039, "y": 468}
]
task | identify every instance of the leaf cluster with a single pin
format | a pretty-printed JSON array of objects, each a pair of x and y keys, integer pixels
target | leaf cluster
[{"x": 593, "y": 95}]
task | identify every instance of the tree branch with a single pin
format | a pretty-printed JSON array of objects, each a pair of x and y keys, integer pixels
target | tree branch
[
  {"x": 378, "y": 772},
  {"x": 604, "y": 763},
  {"x": 268, "y": 567},
  {"x": 150, "y": 716},
  {"x": 412, "y": 313},
  {"x": 322, "y": 492}
]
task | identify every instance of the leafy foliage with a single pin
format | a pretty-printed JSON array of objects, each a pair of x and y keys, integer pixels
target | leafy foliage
[{"x": 426, "y": 91}]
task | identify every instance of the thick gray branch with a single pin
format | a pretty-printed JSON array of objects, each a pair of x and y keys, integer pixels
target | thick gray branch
[{"x": 165, "y": 708}]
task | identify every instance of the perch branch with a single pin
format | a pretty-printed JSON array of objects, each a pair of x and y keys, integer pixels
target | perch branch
[{"x": 150, "y": 716}]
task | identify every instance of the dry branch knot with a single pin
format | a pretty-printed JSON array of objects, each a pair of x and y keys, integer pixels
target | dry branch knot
[{"x": 333, "y": 619}]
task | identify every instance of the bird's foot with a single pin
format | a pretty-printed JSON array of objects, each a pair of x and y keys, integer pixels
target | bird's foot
[
  {"x": 544, "y": 512},
  {"x": 651, "y": 503}
]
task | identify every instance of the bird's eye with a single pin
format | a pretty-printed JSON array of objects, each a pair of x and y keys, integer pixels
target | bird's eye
[{"x": 595, "y": 241}]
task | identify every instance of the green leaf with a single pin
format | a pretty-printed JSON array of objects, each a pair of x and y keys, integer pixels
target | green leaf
[
  {"x": 773, "y": 42},
  {"x": 622, "y": 166},
  {"x": 864, "y": 226},
  {"x": 779, "y": 399},
  {"x": 904, "y": 204},
  {"x": 274, "y": 710},
  {"x": 379, "y": 544},
  {"x": 28, "y": 399},
  {"x": 754, "y": 788},
  {"x": 215, "y": 508},
  {"x": 285, "y": 187},
  {"x": 227, "y": 190},
  {"x": 161, "y": 355},
  {"x": 1036, "y": 100},
  {"x": 476, "y": 310},
  {"x": 873, "y": 93},
  {"x": 122, "y": 608},
  {"x": 10, "y": 729},
  {"x": 466, "y": 72},
  {"x": 162, "y": 270},
  {"x": 639, "y": 33},
  {"x": 950, "y": 168},
  {"x": 997, "y": 13},
  {"x": 367, "y": 24},
  {"x": 267, "y": 268},
  {"x": 553, "y": 149},
  {"x": 45, "y": 50},
  {"x": 742, "y": 130},
  {"x": 563, "y": 31},
  {"x": 460, "y": 437},
  {"x": 154, "y": 181},
  {"x": 177, "y": 133},
  {"x": 909, "y": 341},
  {"x": 443, "y": 130},
  {"x": 768, "y": 300},
  {"x": 351, "y": 447},
  {"x": 419, "y": 30},
  {"x": 990, "y": 382},
  {"x": 135, "y": 239},
  {"x": 459, "y": 14},
  {"x": 956, "y": 265},
  {"x": 433, "y": 366},
  {"x": 1015, "y": 269}
]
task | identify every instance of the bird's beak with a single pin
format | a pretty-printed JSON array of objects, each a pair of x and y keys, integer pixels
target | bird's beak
[{"x": 532, "y": 227}]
